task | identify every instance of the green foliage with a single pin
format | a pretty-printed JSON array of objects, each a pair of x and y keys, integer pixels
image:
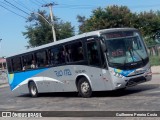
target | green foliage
[
  {"x": 120, "y": 16},
  {"x": 64, "y": 30},
  {"x": 102, "y": 18},
  {"x": 39, "y": 32},
  {"x": 155, "y": 60},
  {"x": 149, "y": 41}
]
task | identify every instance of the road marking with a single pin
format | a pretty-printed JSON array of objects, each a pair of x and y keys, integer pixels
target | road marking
[{"x": 153, "y": 92}]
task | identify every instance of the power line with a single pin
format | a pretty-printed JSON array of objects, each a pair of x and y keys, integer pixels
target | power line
[
  {"x": 49, "y": 4},
  {"x": 13, "y": 12},
  {"x": 76, "y": 6},
  {"x": 33, "y": 1},
  {"x": 38, "y": 2},
  {"x": 44, "y": 1},
  {"x": 16, "y": 7},
  {"x": 21, "y": 4},
  {"x": 7, "y": 5},
  {"x": 79, "y": 5}
]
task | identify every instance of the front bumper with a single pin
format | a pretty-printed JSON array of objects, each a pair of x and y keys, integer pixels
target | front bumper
[{"x": 131, "y": 81}]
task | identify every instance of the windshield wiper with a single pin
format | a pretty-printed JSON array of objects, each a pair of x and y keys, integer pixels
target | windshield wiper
[
  {"x": 139, "y": 56},
  {"x": 124, "y": 63}
]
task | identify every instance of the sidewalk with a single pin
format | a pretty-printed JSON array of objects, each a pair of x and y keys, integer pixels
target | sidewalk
[{"x": 155, "y": 69}]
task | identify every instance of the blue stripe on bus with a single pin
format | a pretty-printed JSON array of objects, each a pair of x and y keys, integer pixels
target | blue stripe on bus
[
  {"x": 123, "y": 72},
  {"x": 21, "y": 76}
]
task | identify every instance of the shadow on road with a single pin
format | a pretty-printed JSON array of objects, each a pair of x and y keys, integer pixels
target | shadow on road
[
  {"x": 138, "y": 90},
  {"x": 135, "y": 90}
]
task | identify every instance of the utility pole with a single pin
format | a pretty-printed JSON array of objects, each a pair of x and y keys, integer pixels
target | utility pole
[{"x": 50, "y": 5}]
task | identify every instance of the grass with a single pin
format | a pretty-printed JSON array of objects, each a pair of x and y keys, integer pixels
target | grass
[{"x": 155, "y": 60}]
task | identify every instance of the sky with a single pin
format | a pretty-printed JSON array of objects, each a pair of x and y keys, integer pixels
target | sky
[{"x": 12, "y": 25}]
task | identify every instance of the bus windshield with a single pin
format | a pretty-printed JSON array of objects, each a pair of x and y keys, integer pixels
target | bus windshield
[{"x": 125, "y": 48}]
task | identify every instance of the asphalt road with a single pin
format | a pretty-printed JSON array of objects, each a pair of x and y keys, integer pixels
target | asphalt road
[{"x": 143, "y": 97}]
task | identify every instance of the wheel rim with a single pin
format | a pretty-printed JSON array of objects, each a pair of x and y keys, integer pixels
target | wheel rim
[
  {"x": 85, "y": 87},
  {"x": 33, "y": 90}
]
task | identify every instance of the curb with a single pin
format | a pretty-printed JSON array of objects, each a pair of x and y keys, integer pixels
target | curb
[
  {"x": 3, "y": 85},
  {"x": 155, "y": 73}
]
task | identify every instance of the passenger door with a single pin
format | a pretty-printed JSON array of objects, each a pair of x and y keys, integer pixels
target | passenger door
[
  {"x": 100, "y": 75},
  {"x": 94, "y": 61}
]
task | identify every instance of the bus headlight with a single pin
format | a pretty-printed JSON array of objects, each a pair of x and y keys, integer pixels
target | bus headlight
[
  {"x": 117, "y": 74},
  {"x": 148, "y": 72}
]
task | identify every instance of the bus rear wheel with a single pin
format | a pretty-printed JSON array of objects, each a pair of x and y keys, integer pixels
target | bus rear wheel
[
  {"x": 84, "y": 88},
  {"x": 33, "y": 89}
]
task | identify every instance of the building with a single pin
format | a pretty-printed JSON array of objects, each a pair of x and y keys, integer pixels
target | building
[{"x": 2, "y": 63}]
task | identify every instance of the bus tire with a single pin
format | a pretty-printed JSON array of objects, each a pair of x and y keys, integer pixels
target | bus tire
[
  {"x": 84, "y": 88},
  {"x": 33, "y": 89}
]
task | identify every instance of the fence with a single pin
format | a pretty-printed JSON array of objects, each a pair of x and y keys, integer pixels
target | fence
[
  {"x": 154, "y": 50},
  {"x": 3, "y": 77}
]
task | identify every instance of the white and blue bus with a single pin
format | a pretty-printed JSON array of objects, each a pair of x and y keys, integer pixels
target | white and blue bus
[{"x": 102, "y": 60}]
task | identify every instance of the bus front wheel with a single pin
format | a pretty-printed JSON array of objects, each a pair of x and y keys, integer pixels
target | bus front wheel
[
  {"x": 33, "y": 89},
  {"x": 84, "y": 88}
]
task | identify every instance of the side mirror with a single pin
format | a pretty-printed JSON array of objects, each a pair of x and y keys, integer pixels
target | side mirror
[{"x": 103, "y": 45}]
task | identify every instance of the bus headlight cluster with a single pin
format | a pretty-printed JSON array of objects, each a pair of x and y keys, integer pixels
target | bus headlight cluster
[
  {"x": 117, "y": 74},
  {"x": 148, "y": 70}
]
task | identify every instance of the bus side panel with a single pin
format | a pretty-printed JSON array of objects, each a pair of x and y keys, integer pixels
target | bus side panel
[
  {"x": 18, "y": 79},
  {"x": 97, "y": 78},
  {"x": 63, "y": 78},
  {"x": 107, "y": 79},
  {"x": 59, "y": 79}
]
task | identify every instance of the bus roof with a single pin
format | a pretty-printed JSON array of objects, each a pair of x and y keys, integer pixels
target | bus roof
[{"x": 87, "y": 34}]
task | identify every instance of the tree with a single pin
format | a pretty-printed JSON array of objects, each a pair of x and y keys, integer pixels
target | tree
[
  {"x": 39, "y": 32},
  {"x": 120, "y": 16},
  {"x": 149, "y": 24},
  {"x": 110, "y": 17},
  {"x": 81, "y": 20}
]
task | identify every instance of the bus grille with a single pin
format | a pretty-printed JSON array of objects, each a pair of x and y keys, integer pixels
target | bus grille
[{"x": 135, "y": 81}]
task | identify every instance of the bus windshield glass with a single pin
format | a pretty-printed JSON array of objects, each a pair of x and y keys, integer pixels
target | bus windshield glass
[{"x": 125, "y": 47}]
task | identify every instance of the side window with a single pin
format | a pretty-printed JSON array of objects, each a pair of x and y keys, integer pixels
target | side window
[
  {"x": 92, "y": 51},
  {"x": 41, "y": 59},
  {"x": 16, "y": 63},
  {"x": 9, "y": 65},
  {"x": 27, "y": 61},
  {"x": 57, "y": 55},
  {"x": 4, "y": 65},
  {"x": 74, "y": 52}
]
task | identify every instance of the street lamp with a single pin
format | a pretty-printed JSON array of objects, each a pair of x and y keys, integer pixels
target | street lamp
[{"x": 53, "y": 30}]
